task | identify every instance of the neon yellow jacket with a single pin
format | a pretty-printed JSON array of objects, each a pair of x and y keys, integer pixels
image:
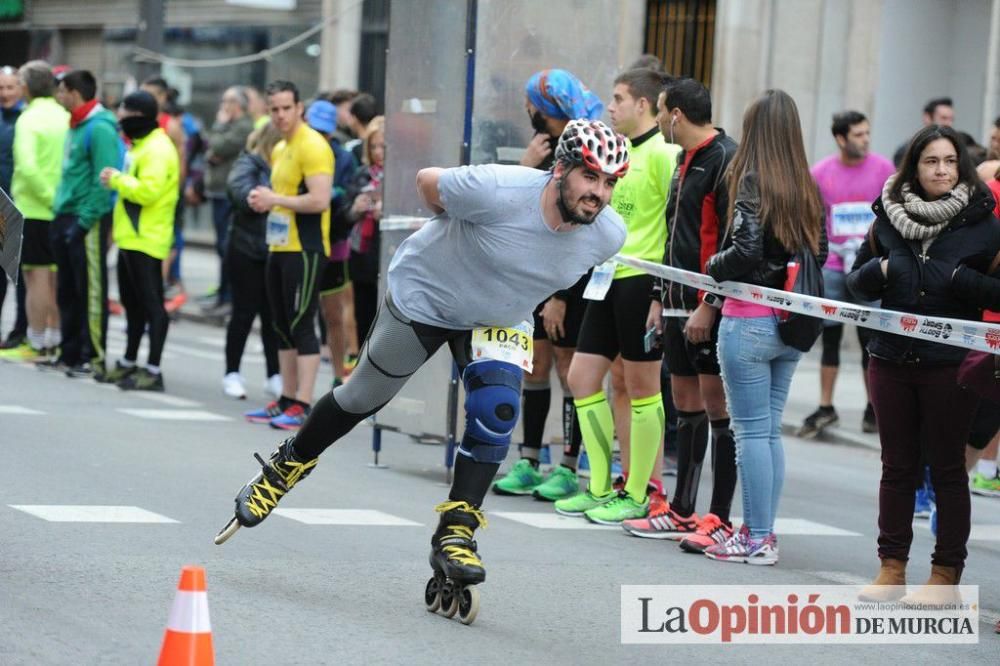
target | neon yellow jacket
[
  {"x": 38, "y": 156},
  {"x": 147, "y": 194}
]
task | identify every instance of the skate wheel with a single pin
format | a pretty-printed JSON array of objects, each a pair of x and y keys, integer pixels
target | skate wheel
[
  {"x": 227, "y": 531},
  {"x": 468, "y": 604},
  {"x": 432, "y": 594},
  {"x": 449, "y": 599}
]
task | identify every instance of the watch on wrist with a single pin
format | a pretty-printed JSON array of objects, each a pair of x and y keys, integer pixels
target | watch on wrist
[{"x": 712, "y": 300}]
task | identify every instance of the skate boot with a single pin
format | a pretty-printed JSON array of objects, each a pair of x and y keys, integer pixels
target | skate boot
[
  {"x": 261, "y": 495},
  {"x": 457, "y": 567}
]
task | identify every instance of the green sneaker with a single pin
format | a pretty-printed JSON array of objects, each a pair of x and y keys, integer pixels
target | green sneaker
[
  {"x": 520, "y": 480},
  {"x": 983, "y": 485},
  {"x": 562, "y": 482},
  {"x": 622, "y": 507},
  {"x": 581, "y": 502}
]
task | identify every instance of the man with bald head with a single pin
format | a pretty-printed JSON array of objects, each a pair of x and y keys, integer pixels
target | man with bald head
[{"x": 225, "y": 139}]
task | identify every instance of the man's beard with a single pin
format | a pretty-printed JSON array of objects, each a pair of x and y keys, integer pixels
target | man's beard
[
  {"x": 569, "y": 216},
  {"x": 853, "y": 152}
]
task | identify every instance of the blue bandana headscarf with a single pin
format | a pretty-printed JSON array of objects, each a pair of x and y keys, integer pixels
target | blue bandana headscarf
[{"x": 560, "y": 95}]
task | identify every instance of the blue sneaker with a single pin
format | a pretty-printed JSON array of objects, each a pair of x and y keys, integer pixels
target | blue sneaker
[
  {"x": 291, "y": 419},
  {"x": 264, "y": 414},
  {"x": 922, "y": 504}
]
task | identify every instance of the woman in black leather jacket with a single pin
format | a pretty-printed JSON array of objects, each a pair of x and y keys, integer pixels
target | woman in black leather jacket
[
  {"x": 934, "y": 215},
  {"x": 776, "y": 209},
  {"x": 246, "y": 259}
]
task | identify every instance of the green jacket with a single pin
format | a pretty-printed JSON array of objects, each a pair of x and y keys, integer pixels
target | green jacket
[
  {"x": 38, "y": 153},
  {"x": 147, "y": 190},
  {"x": 91, "y": 146}
]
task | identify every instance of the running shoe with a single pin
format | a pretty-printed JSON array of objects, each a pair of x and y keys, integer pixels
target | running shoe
[
  {"x": 290, "y": 419},
  {"x": 665, "y": 524},
  {"x": 922, "y": 503},
  {"x": 142, "y": 380},
  {"x": 657, "y": 501},
  {"x": 81, "y": 370},
  {"x": 116, "y": 374},
  {"x": 233, "y": 386},
  {"x": 265, "y": 414},
  {"x": 522, "y": 479},
  {"x": 741, "y": 548},
  {"x": 561, "y": 482},
  {"x": 814, "y": 424},
  {"x": 982, "y": 485},
  {"x": 52, "y": 364},
  {"x": 621, "y": 508},
  {"x": 579, "y": 504},
  {"x": 711, "y": 531},
  {"x": 23, "y": 352},
  {"x": 868, "y": 423}
]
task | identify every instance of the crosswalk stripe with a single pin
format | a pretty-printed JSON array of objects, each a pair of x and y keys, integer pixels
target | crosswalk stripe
[
  {"x": 782, "y": 526},
  {"x": 19, "y": 410},
  {"x": 979, "y": 532},
  {"x": 368, "y": 517},
  {"x": 171, "y": 400},
  {"x": 55, "y": 513},
  {"x": 175, "y": 414}
]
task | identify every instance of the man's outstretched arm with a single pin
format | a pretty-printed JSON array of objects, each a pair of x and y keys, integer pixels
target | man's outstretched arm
[{"x": 427, "y": 186}]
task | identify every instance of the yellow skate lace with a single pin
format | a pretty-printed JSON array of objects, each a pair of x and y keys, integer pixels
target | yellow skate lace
[
  {"x": 460, "y": 553},
  {"x": 265, "y": 496}
]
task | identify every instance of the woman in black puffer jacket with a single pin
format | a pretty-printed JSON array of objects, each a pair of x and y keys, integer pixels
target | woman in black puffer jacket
[
  {"x": 934, "y": 215},
  {"x": 246, "y": 260}
]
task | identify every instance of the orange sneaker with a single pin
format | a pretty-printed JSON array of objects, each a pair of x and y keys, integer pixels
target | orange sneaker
[
  {"x": 711, "y": 530},
  {"x": 664, "y": 524}
]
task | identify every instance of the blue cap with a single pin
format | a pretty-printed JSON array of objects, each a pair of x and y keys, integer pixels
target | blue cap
[{"x": 322, "y": 116}]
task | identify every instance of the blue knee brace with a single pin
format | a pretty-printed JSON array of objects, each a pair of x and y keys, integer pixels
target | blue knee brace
[{"x": 492, "y": 405}]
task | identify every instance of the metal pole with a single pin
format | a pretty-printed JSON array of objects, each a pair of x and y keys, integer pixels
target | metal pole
[{"x": 150, "y": 35}]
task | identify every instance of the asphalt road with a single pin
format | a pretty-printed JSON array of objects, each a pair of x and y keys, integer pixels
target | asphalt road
[{"x": 74, "y": 592}]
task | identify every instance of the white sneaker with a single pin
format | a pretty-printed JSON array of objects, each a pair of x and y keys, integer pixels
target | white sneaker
[
  {"x": 232, "y": 386},
  {"x": 273, "y": 386}
]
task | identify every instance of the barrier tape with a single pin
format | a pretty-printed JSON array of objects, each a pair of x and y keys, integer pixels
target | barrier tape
[{"x": 980, "y": 336}]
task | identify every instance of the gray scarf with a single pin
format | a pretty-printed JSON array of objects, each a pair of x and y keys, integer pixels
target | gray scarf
[{"x": 917, "y": 219}]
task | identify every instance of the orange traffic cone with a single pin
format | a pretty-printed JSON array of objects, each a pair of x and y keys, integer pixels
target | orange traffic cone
[{"x": 188, "y": 641}]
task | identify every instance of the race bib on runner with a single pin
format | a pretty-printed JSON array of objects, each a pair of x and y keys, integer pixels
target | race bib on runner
[
  {"x": 278, "y": 225},
  {"x": 511, "y": 345},
  {"x": 851, "y": 218},
  {"x": 600, "y": 281}
]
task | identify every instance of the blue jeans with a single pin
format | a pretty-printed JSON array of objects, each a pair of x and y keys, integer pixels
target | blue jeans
[{"x": 757, "y": 370}]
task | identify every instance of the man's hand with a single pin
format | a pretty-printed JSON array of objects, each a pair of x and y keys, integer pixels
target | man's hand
[
  {"x": 655, "y": 317},
  {"x": 553, "y": 318},
  {"x": 536, "y": 152},
  {"x": 107, "y": 173},
  {"x": 261, "y": 199},
  {"x": 699, "y": 325}
]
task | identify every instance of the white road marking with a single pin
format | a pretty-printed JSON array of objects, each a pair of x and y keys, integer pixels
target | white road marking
[
  {"x": 979, "y": 532},
  {"x": 175, "y": 414},
  {"x": 366, "y": 517},
  {"x": 171, "y": 400},
  {"x": 18, "y": 410},
  {"x": 55, "y": 513},
  {"x": 550, "y": 521}
]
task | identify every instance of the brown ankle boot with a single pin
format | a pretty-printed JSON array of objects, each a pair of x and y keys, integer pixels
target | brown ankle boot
[
  {"x": 940, "y": 589},
  {"x": 889, "y": 585}
]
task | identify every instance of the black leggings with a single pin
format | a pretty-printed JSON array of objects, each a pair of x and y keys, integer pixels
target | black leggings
[
  {"x": 247, "y": 280},
  {"x": 832, "y": 335},
  {"x": 140, "y": 286}
]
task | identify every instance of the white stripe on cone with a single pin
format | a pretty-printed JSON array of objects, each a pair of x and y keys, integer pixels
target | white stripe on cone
[{"x": 189, "y": 614}]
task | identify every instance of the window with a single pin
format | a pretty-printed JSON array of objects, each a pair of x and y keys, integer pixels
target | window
[{"x": 682, "y": 34}]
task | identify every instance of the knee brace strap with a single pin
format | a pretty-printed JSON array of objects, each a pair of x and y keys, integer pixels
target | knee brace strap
[{"x": 492, "y": 406}]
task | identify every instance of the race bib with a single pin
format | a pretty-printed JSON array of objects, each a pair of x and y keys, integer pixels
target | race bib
[
  {"x": 511, "y": 345},
  {"x": 600, "y": 281},
  {"x": 851, "y": 218},
  {"x": 278, "y": 225}
]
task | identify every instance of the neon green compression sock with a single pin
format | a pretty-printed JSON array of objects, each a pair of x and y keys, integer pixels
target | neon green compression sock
[
  {"x": 647, "y": 433},
  {"x": 598, "y": 426}
]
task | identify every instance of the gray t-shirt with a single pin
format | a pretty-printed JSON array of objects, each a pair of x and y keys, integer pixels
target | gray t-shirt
[{"x": 489, "y": 259}]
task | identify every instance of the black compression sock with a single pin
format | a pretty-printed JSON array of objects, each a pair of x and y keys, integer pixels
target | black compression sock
[
  {"x": 536, "y": 410},
  {"x": 572, "y": 437},
  {"x": 724, "y": 472},
  {"x": 692, "y": 443},
  {"x": 472, "y": 480}
]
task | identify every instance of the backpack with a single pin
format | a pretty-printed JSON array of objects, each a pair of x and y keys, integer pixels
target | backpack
[{"x": 797, "y": 330}]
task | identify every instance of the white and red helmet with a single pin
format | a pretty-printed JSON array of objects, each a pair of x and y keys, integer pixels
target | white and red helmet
[{"x": 595, "y": 146}]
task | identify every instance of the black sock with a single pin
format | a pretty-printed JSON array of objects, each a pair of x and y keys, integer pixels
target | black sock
[
  {"x": 534, "y": 413},
  {"x": 723, "y": 469},
  {"x": 284, "y": 402},
  {"x": 692, "y": 443},
  {"x": 572, "y": 437},
  {"x": 472, "y": 480}
]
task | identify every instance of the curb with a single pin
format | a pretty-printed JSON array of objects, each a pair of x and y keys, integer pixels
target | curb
[{"x": 836, "y": 436}]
